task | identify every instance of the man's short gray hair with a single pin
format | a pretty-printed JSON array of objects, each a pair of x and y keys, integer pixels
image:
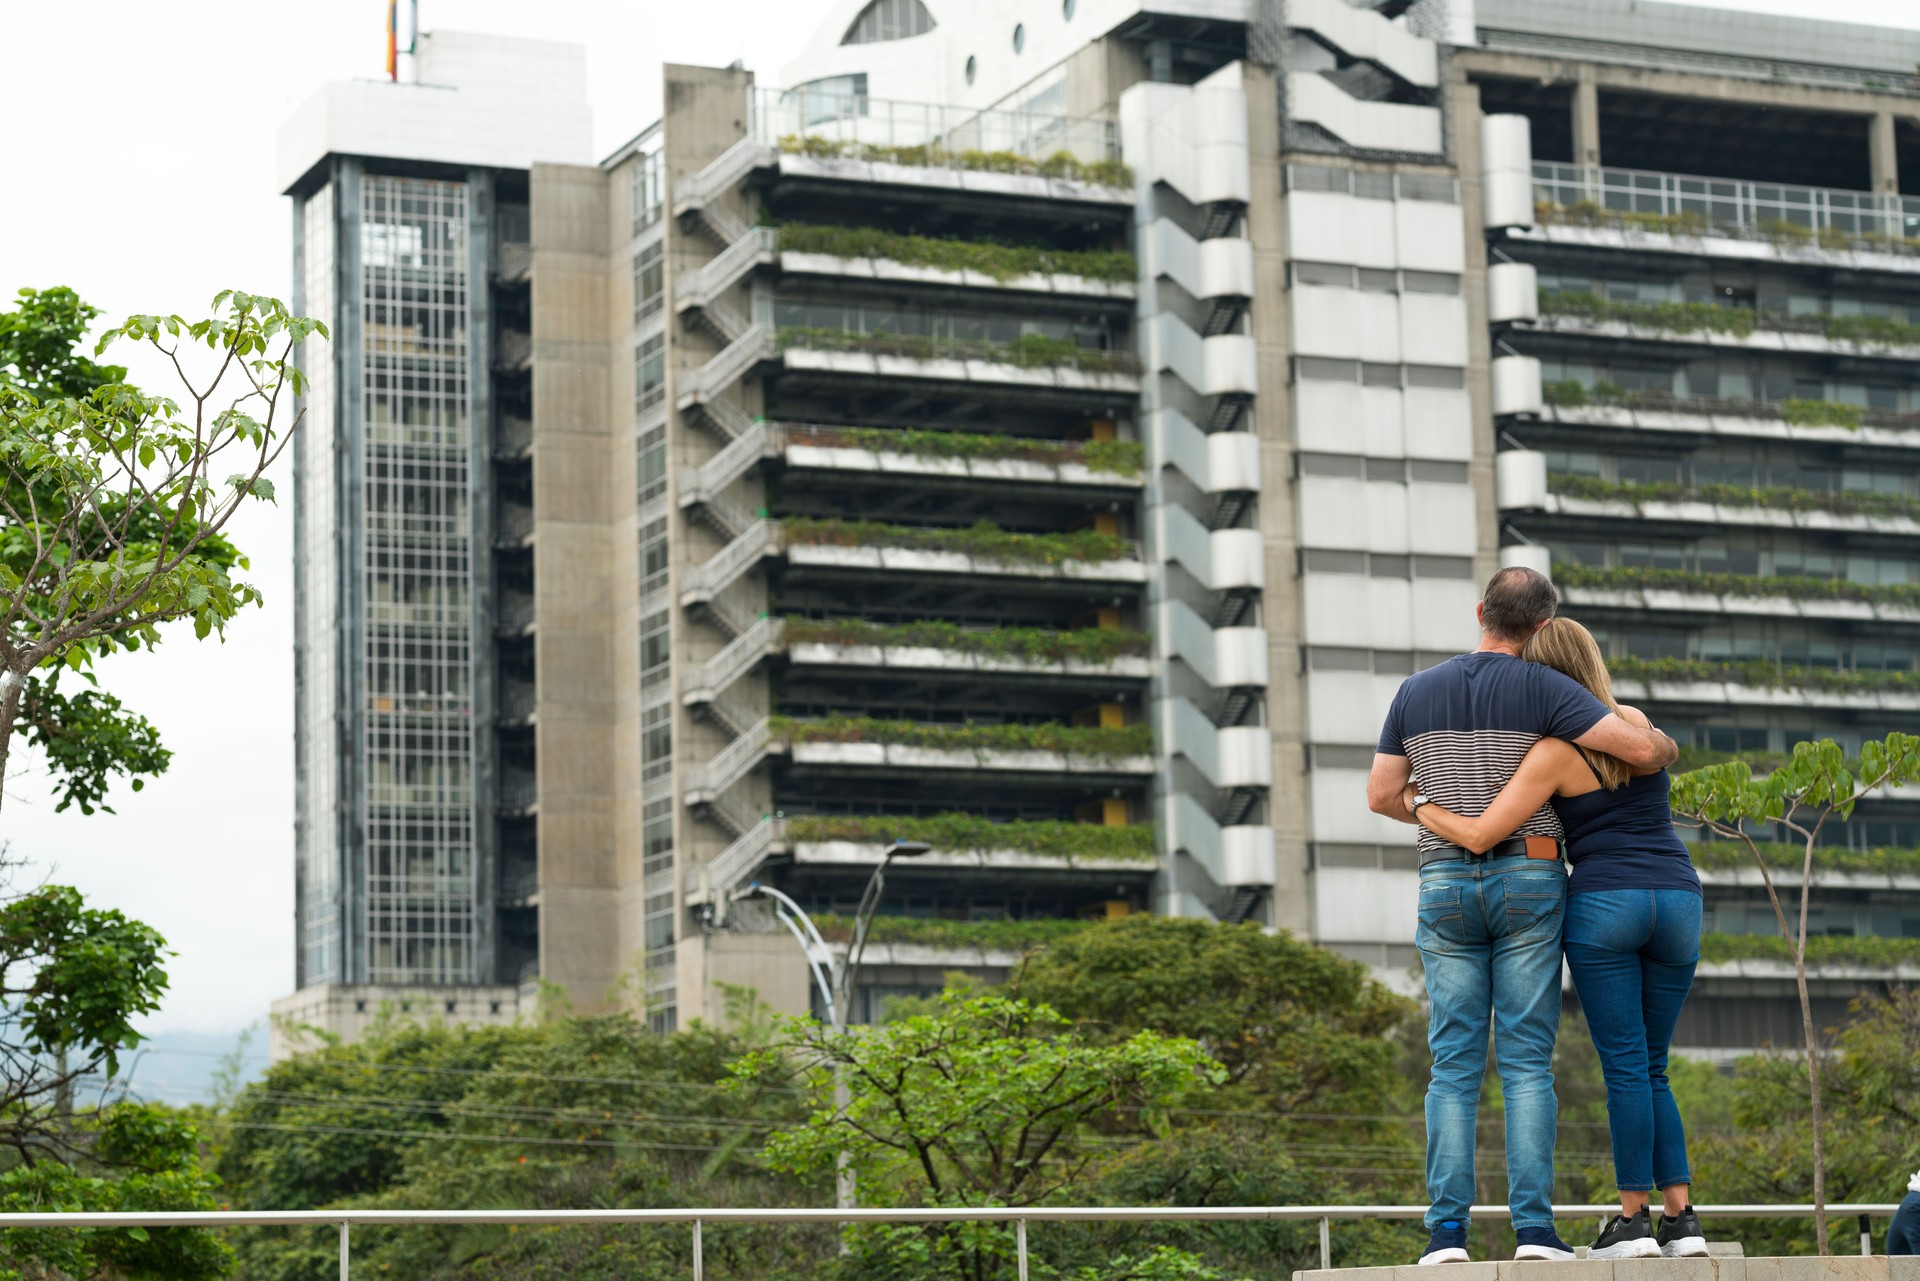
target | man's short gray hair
[{"x": 1516, "y": 602}]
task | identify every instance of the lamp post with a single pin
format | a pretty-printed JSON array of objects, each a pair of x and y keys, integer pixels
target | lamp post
[{"x": 834, "y": 976}]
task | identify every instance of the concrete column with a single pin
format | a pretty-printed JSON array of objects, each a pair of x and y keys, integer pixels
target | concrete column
[
  {"x": 1881, "y": 156},
  {"x": 1586, "y": 119}
]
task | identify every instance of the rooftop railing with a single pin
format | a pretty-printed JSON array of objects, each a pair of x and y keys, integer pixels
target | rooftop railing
[
  {"x": 856, "y": 120},
  {"x": 1691, "y": 204},
  {"x": 696, "y": 1219}
]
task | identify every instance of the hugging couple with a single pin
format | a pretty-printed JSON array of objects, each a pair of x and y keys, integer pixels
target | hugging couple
[{"x": 1509, "y": 759}]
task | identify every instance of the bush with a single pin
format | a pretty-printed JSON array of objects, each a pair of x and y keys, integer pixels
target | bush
[
  {"x": 1864, "y": 950},
  {"x": 1048, "y": 736},
  {"x": 1794, "y": 587},
  {"x": 1029, "y": 351},
  {"x": 1882, "y": 861},
  {"x": 1762, "y": 675},
  {"x": 1061, "y": 164},
  {"x": 1002, "y": 262},
  {"x": 1821, "y": 413},
  {"x": 1034, "y": 644},
  {"x": 1775, "y": 497},
  {"x": 1116, "y": 457},
  {"x": 954, "y": 831},
  {"x": 1668, "y": 317},
  {"x": 930, "y": 931},
  {"x": 1567, "y": 393},
  {"x": 1871, "y": 331},
  {"x": 983, "y": 540}
]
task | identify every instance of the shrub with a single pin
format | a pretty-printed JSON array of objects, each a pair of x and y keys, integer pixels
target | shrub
[
  {"x": 1863, "y": 950},
  {"x": 983, "y": 540},
  {"x": 1567, "y": 393},
  {"x": 927, "y": 931},
  {"x": 1029, "y": 351},
  {"x": 954, "y": 831},
  {"x": 1821, "y": 413},
  {"x": 1794, "y": 587},
  {"x": 1049, "y": 736},
  {"x": 1117, "y": 457},
  {"x": 1085, "y": 645},
  {"x": 1725, "y": 856},
  {"x": 1762, "y": 675},
  {"x": 1776, "y": 497},
  {"x": 1002, "y": 262},
  {"x": 1871, "y": 331},
  {"x": 1062, "y": 164},
  {"x": 1669, "y": 317}
]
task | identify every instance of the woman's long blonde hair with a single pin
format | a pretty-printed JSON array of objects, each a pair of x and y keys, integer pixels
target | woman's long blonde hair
[{"x": 1567, "y": 647}]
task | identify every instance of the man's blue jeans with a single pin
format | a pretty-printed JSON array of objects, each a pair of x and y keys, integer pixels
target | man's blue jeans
[
  {"x": 1632, "y": 953},
  {"x": 1489, "y": 937}
]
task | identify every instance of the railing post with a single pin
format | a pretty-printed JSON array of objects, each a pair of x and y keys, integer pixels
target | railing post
[
  {"x": 1020, "y": 1246},
  {"x": 699, "y": 1258},
  {"x": 1326, "y": 1244},
  {"x": 343, "y": 1249}
]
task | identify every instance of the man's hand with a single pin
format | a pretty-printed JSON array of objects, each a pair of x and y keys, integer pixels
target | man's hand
[
  {"x": 1644, "y": 748},
  {"x": 1407, "y": 794},
  {"x": 1387, "y": 784}
]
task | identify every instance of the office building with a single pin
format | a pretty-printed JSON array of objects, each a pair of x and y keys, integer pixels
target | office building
[{"x": 1053, "y": 428}]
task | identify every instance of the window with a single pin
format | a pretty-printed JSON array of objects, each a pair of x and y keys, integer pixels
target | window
[
  {"x": 653, "y": 463},
  {"x": 1019, "y": 37},
  {"x": 650, "y": 373},
  {"x": 1066, "y": 10},
  {"x": 656, "y": 741},
  {"x": 830, "y": 98},
  {"x": 653, "y": 556},
  {"x": 973, "y": 65},
  {"x": 649, "y": 281},
  {"x": 655, "y": 643},
  {"x": 889, "y": 20},
  {"x": 649, "y": 173}
]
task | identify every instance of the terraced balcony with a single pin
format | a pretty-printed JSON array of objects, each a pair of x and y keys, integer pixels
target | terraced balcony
[
  {"x": 1814, "y": 421},
  {"x": 1708, "y": 324},
  {"x": 1829, "y": 957},
  {"x": 1764, "y": 685},
  {"x": 1674, "y": 590},
  {"x": 1049, "y": 748},
  {"x": 1721, "y": 505}
]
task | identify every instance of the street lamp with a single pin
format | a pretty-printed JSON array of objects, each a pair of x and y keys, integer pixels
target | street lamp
[{"x": 837, "y": 994}]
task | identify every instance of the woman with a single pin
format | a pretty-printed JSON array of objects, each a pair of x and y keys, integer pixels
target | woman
[{"x": 1632, "y": 940}]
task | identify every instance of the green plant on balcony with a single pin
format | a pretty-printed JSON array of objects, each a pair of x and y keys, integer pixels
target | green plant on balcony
[
  {"x": 1772, "y": 497},
  {"x": 1061, "y": 164},
  {"x": 1870, "y": 331},
  {"x": 1791, "y": 586},
  {"x": 984, "y": 541},
  {"x": 1049, "y": 736},
  {"x": 1864, "y": 950},
  {"x": 933, "y": 931},
  {"x": 1821, "y": 413},
  {"x": 1028, "y": 351},
  {"x": 1784, "y": 233},
  {"x": 1565, "y": 393},
  {"x": 1002, "y": 262},
  {"x": 1130, "y": 842},
  {"x": 1764, "y": 675},
  {"x": 1666, "y": 317},
  {"x": 1033, "y": 644},
  {"x": 1780, "y": 856},
  {"x": 1115, "y": 457}
]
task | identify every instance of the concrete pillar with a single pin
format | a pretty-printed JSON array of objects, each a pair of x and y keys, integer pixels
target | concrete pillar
[
  {"x": 1586, "y": 119},
  {"x": 1881, "y": 156}
]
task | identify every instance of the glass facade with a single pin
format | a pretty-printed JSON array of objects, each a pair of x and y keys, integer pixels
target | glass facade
[
  {"x": 317, "y": 837},
  {"x": 418, "y": 563}
]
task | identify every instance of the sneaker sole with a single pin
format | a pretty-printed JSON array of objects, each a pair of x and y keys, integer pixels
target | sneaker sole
[
  {"x": 1685, "y": 1248},
  {"x": 1643, "y": 1248},
  {"x": 1452, "y": 1254},
  {"x": 1542, "y": 1254}
]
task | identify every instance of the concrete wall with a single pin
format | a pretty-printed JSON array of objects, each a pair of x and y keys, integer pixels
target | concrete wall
[{"x": 580, "y": 580}]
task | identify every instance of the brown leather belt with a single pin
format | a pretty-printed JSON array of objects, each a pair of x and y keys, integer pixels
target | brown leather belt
[{"x": 1540, "y": 847}]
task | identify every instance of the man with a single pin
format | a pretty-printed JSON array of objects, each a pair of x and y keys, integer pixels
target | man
[
  {"x": 1489, "y": 929},
  {"x": 1903, "y": 1234}
]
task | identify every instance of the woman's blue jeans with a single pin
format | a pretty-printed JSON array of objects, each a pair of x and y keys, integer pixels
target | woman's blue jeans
[{"x": 1633, "y": 953}]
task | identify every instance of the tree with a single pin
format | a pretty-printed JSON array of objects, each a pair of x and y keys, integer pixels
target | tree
[
  {"x": 992, "y": 1101},
  {"x": 1813, "y": 788},
  {"x": 73, "y": 980},
  {"x": 90, "y": 737},
  {"x": 111, "y": 508}
]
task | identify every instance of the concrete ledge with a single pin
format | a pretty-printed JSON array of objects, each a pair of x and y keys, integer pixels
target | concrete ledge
[{"x": 1838, "y": 1267}]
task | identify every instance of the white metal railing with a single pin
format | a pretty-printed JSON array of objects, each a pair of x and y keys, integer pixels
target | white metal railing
[
  {"x": 721, "y": 174},
  {"x": 696, "y": 1219},
  {"x": 1728, "y": 205},
  {"x": 738, "y": 657},
  {"x": 741, "y": 859},
  {"x": 699, "y": 287},
  {"x": 726, "y": 415},
  {"x": 739, "y": 456},
  {"x": 938, "y": 134},
  {"x": 730, "y": 363}
]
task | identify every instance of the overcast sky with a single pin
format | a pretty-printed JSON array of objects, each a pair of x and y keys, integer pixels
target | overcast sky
[{"x": 137, "y": 167}]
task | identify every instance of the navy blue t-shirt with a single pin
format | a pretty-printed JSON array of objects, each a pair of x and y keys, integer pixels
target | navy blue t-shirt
[
  {"x": 1624, "y": 839},
  {"x": 1465, "y": 725}
]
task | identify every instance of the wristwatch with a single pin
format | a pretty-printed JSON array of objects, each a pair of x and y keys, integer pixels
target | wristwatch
[{"x": 1419, "y": 799}]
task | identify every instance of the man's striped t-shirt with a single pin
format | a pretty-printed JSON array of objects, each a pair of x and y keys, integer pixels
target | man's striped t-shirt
[{"x": 1464, "y": 726}]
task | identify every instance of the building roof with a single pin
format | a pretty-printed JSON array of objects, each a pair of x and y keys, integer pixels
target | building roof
[{"x": 492, "y": 101}]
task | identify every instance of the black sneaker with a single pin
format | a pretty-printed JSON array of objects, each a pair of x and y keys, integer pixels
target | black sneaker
[
  {"x": 1680, "y": 1236},
  {"x": 1625, "y": 1238},
  {"x": 1447, "y": 1244}
]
